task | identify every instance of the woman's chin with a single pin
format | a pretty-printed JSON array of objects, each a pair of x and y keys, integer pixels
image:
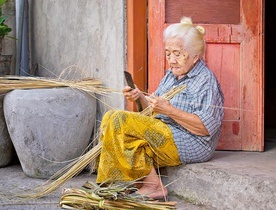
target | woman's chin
[{"x": 176, "y": 71}]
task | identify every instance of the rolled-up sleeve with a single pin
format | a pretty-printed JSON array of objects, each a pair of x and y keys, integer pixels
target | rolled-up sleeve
[{"x": 209, "y": 108}]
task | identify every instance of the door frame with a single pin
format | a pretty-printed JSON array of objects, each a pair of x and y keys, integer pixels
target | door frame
[{"x": 136, "y": 14}]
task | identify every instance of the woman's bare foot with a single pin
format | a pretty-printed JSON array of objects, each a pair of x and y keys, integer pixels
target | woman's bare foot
[
  {"x": 152, "y": 186},
  {"x": 153, "y": 192}
]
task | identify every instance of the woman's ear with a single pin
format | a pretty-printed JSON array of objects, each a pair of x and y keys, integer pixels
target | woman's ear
[{"x": 196, "y": 58}]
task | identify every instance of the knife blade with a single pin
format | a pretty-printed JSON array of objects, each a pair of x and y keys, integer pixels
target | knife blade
[{"x": 130, "y": 83}]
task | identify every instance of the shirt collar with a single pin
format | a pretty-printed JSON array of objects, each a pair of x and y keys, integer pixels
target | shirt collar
[{"x": 197, "y": 68}]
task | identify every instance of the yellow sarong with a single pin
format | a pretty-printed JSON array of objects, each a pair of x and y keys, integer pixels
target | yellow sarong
[{"x": 132, "y": 145}]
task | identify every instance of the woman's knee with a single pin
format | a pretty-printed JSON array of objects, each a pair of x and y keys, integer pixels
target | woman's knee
[{"x": 113, "y": 113}]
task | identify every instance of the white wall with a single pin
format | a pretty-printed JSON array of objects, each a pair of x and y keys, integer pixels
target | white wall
[{"x": 86, "y": 34}]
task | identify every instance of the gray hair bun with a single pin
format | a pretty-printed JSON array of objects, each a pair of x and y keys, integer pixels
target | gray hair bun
[
  {"x": 188, "y": 21},
  {"x": 200, "y": 29}
]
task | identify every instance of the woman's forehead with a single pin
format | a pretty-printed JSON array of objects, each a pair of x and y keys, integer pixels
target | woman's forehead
[{"x": 174, "y": 43}]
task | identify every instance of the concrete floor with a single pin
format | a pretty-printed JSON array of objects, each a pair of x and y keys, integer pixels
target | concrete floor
[
  {"x": 14, "y": 181},
  {"x": 231, "y": 180}
]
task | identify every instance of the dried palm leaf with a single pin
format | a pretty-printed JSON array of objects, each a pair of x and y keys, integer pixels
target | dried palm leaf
[{"x": 111, "y": 197}]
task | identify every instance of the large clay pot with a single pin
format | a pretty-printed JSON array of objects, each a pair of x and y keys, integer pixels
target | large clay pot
[{"x": 49, "y": 127}]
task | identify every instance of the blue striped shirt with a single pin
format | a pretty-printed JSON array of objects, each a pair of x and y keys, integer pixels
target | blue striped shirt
[{"x": 203, "y": 97}]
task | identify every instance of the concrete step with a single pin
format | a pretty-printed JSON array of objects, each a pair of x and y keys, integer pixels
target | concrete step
[{"x": 231, "y": 180}]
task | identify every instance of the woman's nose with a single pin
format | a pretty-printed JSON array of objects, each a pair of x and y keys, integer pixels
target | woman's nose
[{"x": 172, "y": 59}]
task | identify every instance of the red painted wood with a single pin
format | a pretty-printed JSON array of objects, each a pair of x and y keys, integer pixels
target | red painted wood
[
  {"x": 227, "y": 59},
  {"x": 156, "y": 59},
  {"x": 202, "y": 12},
  {"x": 235, "y": 54},
  {"x": 137, "y": 45},
  {"x": 252, "y": 75}
]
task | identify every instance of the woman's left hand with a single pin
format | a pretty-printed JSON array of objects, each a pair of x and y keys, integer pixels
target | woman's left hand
[{"x": 159, "y": 105}]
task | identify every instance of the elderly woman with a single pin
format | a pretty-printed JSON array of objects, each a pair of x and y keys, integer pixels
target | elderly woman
[{"x": 184, "y": 129}]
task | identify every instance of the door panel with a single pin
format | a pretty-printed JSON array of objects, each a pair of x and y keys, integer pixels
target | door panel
[
  {"x": 234, "y": 37},
  {"x": 222, "y": 58},
  {"x": 204, "y": 11},
  {"x": 230, "y": 82}
]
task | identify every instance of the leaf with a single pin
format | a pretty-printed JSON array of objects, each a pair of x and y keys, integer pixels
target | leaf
[
  {"x": 2, "y": 2},
  {"x": 2, "y": 19}
]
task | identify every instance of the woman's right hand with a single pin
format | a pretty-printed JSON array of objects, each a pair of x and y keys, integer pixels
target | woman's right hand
[{"x": 131, "y": 94}]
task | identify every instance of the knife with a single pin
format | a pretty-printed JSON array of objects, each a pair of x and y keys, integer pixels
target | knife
[{"x": 130, "y": 83}]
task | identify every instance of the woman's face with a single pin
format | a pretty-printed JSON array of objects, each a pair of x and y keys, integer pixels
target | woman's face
[{"x": 178, "y": 58}]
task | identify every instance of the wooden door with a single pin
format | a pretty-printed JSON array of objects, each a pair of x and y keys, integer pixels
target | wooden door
[
  {"x": 234, "y": 37},
  {"x": 137, "y": 44}
]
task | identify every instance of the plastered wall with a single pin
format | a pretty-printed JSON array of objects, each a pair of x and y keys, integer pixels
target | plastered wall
[{"x": 84, "y": 38}]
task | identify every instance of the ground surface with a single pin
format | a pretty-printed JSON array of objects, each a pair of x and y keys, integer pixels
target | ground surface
[{"x": 13, "y": 180}]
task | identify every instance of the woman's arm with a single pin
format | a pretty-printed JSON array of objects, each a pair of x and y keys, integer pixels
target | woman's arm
[{"x": 189, "y": 121}]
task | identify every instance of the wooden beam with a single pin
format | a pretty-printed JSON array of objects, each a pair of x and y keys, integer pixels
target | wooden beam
[{"x": 137, "y": 44}]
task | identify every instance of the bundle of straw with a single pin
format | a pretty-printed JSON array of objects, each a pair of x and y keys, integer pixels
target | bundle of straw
[
  {"x": 80, "y": 199},
  {"x": 111, "y": 197},
  {"x": 89, "y": 85},
  {"x": 168, "y": 96}
]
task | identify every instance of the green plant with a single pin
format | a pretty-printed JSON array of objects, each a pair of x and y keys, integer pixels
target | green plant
[{"x": 4, "y": 29}]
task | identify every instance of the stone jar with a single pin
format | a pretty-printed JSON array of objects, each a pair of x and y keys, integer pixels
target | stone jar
[{"x": 49, "y": 127}]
